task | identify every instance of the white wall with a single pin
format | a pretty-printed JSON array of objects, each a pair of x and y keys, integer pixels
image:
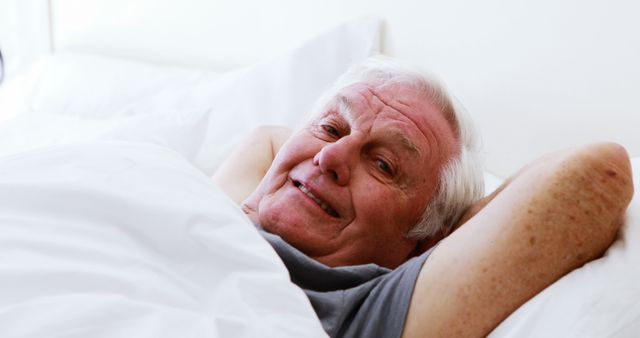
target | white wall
[
  {"x": 24, "y": 33},
  {"x": 536, "y": 75}
]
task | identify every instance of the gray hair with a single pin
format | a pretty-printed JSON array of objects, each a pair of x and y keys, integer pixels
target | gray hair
[{"x": 460, "y": 180}]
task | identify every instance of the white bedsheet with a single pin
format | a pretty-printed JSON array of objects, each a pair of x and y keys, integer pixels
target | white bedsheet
[{"x": 125, "y": 239}]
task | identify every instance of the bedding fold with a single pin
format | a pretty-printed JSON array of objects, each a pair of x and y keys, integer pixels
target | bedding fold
[{"x": 110, "y": 239}]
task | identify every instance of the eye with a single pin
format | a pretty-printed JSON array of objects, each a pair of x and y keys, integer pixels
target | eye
[
  {"x": 384, "y": 166},
  {"x": 331, "y": 130}
]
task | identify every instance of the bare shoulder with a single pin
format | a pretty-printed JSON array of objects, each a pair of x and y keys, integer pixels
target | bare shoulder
[
  {"x": 558, "y": 213},
  {"x": 277, "y": 135},
  {"x": 267, "y": 135},
  {"x": 243, "y": 169}
]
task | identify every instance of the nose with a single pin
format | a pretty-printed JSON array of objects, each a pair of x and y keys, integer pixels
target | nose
[{"x": 338, "y": 159}]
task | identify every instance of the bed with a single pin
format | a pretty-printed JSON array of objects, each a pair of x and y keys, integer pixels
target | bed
[{"x": 127, "y": 94}]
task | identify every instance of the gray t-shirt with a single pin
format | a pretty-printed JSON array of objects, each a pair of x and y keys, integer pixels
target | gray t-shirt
[{"x": 353, "y": 301}]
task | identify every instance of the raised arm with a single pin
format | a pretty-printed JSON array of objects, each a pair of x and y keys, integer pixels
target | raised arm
[
  {"x": 241, "y": 172},
  {"x": 555, "y": 215}
]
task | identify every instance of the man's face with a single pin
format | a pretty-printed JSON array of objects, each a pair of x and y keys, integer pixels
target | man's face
[{"x": 346, "y": 188}]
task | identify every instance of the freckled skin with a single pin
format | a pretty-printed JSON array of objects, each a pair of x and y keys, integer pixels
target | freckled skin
[{"x": 551, "y": 218}]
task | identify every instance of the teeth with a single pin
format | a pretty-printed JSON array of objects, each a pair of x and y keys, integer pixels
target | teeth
[{"x": 318, "y": 201}]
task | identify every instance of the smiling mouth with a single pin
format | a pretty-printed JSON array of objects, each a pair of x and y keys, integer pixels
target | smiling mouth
[{"x": 324, "y": 206}]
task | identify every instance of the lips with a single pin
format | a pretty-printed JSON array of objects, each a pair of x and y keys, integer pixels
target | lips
[{"x": 323, "y": 205}]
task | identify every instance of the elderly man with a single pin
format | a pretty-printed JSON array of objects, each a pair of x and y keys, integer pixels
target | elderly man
[{"x": 355, "y": 202}]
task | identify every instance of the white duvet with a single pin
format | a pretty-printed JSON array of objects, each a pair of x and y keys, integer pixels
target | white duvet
[{"x": 125, "y": 239}]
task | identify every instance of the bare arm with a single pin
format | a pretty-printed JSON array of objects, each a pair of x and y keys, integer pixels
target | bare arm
[
  {"x": 241, "y": 172},
  {"x": 557, "y": 214}
]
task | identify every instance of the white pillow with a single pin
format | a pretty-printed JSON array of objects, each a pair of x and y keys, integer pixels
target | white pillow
[
  {"x": 491, "y": 183},
  {"x": 97, "y": 86},
  {"x": 78, "y": 95},
  {"x": 181, "y": 131},
  {"x": 14, "y": 93},
  {"x": 278, "y": 91}
]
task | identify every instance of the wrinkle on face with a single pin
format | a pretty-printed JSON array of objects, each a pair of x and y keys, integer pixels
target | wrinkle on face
[{"x": 376, "y": 121}]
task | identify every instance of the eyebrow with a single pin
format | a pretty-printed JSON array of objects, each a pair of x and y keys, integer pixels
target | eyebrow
[
  {"x": 344, "y": 110},
  {"x": 405, "y": 142}
]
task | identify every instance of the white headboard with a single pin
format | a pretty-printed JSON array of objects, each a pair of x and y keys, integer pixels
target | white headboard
[{"x": 536, "y": 75}]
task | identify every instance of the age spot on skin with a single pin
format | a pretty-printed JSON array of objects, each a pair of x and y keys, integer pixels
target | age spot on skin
[{"x": 532, "y": 240}]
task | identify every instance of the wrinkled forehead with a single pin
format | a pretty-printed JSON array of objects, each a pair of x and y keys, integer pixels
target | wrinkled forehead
[{"x": 411, "y": 101}]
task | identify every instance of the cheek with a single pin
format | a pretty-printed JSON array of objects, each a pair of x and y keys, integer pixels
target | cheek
[
  {"x": 388, "y": 209},
  {"x": 375, "y": 203},
  {"x": 293, "y": 153},
  {"x": 289, "y": 156}
]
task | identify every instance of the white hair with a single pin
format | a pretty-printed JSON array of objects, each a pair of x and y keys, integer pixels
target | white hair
[{"x": 460, "y": 180}]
